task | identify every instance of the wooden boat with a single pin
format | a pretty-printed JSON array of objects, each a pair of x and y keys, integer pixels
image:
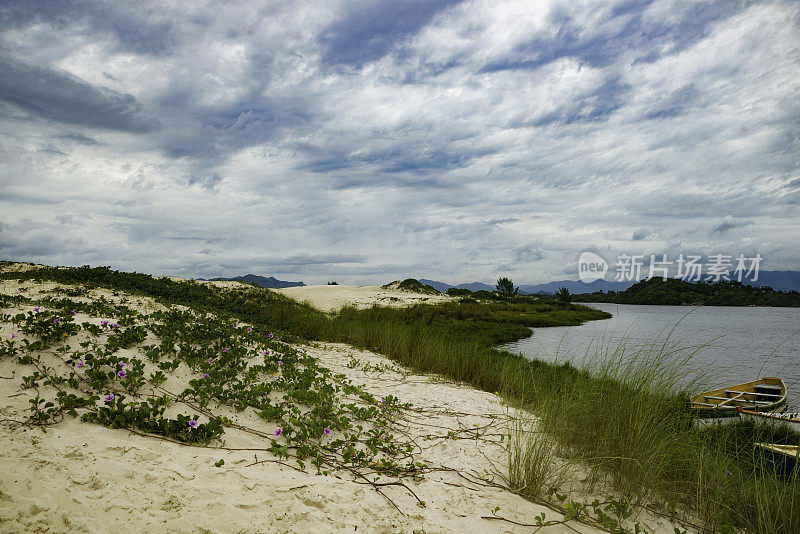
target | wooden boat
[
  {"x": 765, "y": 395},
  {"x": 782, "y": 458},
  {"x": 791, "y": 419}
]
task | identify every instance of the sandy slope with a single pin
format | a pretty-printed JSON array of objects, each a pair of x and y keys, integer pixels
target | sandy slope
[
  {"x": 80, "y": 477},
  {"x": 331, "y": 298}
]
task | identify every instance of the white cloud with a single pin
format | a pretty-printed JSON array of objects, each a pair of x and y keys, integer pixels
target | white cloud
[{"x": 308, "y": 141}]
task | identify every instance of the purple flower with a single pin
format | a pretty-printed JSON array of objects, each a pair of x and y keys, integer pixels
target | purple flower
[
  {"x": 57, "y": 320},
  {"x": 192, "y": 423},
  {"x": 204, "y": 376},
  {"x": 108, "y": 398},
  {"x": 104, "y": 323},
  {"x": 122, "y": 364},
  {"x": 80, "y": 364},
  {"x": 280, "y": 362},
  {"x": 271, "y": 335},
  {"x": 172, "y": 311},
  {"x": 116, "y": 311},
  {"x": 266, "y": 353},
  {"x": 728, "y": 472},
  {"x": 213, "y": 361},
  {"x": 36, "y": 309},
  {"x": 72, "y": 312},
  {"x": 122, "y": 374},
  {"x": 115, "y": 325},
  {"x": 278, "y": 431},
  {"x": 249, "y": 328},
  {"x": 13, "y": 335},
  {"x": 226, "y": 349},
  {"x": 327, "y": 431}
]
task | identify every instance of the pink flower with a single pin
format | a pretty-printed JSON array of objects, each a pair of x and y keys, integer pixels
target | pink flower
[
  {"x": 122, "y": 364},
  {"x": 36, "y": 309},
  {"x": 278, "y": 431},
  {"x": 327, "y": 431},
  {"x": 249, "y": 328},
  {"x": 204, "y": 376},
  {"x": 13, "y": 335},
  {"x": 192, "y": 423},
  {"x": 122, "y": 374},
  {"x": 226, "y": 349},
  {"x": 271, "y": 335},
  {"x": 80, "y": 364},
  {"x": 108, "y": 398}
]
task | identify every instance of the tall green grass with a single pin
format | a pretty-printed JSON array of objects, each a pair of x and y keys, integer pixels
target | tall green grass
[{"x": 625, "y": 419}]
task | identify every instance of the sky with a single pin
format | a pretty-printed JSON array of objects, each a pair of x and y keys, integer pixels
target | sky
[{"x": 365, "y": 142}]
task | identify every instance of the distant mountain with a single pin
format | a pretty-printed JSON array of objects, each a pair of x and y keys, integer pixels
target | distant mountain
[
  {"x": 473, "y": 286},
  {"x": 777, "y": 280},
  {"x": 575, "y": 286},
  {"x": 476, "y": 286},
  {"x": 268, "y": 282},
  {"x": 438, "y": 286}
]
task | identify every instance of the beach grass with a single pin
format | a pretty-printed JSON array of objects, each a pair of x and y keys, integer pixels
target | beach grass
[{"x": 625, "y": 417}]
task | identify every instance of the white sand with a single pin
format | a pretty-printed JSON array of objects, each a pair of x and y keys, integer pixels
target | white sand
[
  {"x": 81, "y": 477},
  {"x": 332, "y": 298}
]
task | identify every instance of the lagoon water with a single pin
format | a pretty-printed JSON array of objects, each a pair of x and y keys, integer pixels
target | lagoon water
[{"x": 741, "y": 343}]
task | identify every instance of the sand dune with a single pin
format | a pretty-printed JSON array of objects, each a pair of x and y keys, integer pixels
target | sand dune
[
  {"x": 332, "y": 298},
  {"x": 82, "y": 477}
]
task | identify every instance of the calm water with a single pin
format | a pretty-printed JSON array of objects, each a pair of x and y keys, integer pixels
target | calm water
[{"x": 743, "y": 343}]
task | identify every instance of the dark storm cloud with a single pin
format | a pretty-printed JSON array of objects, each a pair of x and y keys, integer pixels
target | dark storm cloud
[
  {"x": 369, "y": 30},
  {"x": 131, "y": 27},
  {"x": 62, "y": 97}
]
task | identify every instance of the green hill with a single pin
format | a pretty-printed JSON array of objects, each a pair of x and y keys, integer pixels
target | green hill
[{"x": 678, "y": 292}]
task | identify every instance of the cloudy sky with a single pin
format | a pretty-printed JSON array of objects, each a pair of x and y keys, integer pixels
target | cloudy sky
[{"x": 368, "y": 141}]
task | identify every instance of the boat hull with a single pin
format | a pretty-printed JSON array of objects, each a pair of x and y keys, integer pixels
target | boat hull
[
  {"x": 781, "y": 458},
  {"x": 790, "y": 419}
]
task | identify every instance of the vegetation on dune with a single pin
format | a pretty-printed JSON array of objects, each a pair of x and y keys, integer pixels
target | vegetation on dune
[
  {"x": 626, "y": 418},
  {"x": 679, "y": 292},
  {"x": 411, "y": 285}
]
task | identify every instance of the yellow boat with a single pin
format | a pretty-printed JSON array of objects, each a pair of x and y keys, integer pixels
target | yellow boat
[{"x": 765, "y": 395}]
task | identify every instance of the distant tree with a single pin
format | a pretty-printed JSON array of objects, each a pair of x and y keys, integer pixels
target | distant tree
[
  {"x": 505, "y": 287},
  {"x": 563, "y": 295},
  {"x": 333, "y": 283}
]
